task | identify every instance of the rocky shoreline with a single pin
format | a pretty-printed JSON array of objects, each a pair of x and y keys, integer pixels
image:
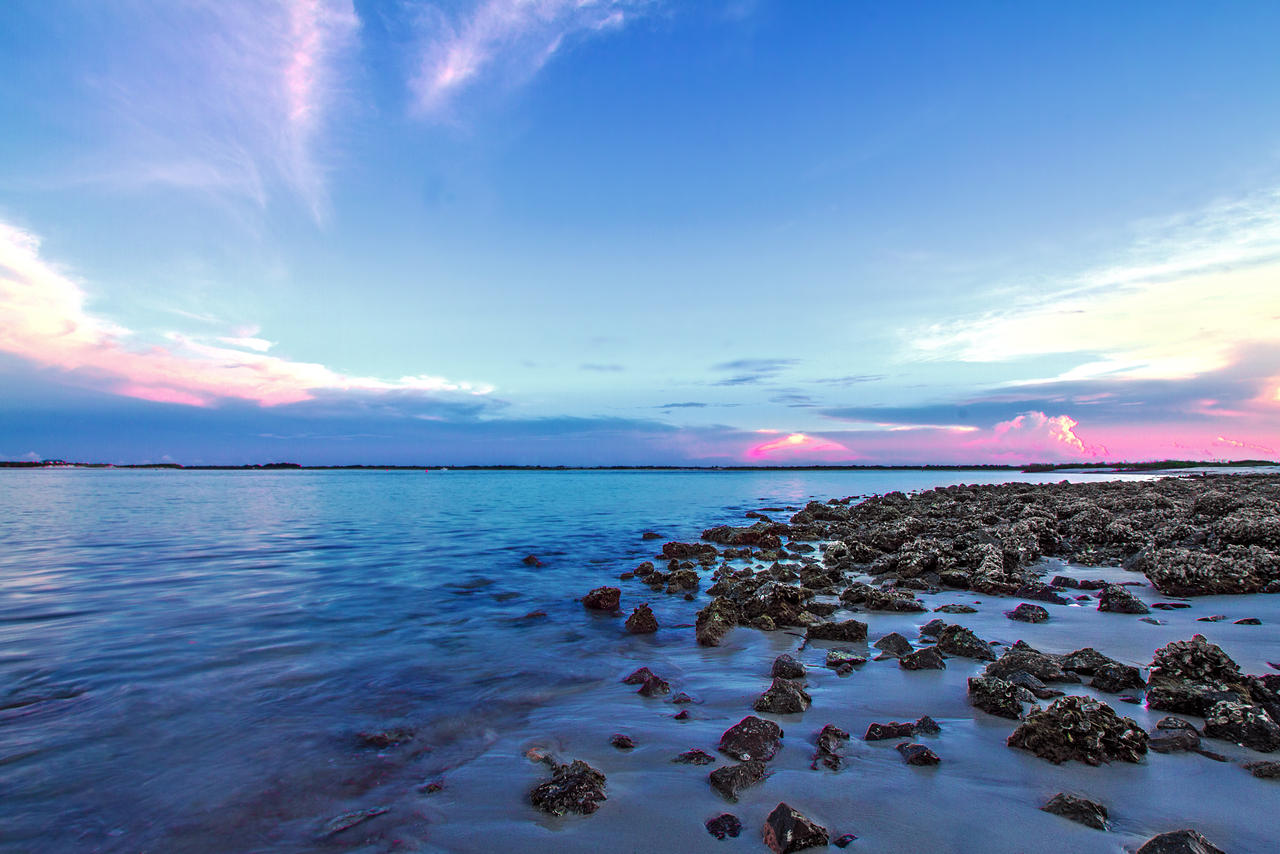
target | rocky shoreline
[{"x": 811, "y": 575}]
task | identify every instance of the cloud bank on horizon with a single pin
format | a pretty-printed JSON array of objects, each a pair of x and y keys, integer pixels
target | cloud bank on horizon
[{"x": 626, "y": 231}]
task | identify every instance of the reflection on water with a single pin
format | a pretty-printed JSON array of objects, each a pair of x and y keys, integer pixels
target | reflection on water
[{"x": 187, "y": 659}]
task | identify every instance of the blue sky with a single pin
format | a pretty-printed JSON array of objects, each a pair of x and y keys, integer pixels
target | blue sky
[{"x": 636, "y": 231}]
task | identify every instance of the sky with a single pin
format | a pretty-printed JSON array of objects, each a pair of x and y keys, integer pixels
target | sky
[{"x": 593, "y": 232}]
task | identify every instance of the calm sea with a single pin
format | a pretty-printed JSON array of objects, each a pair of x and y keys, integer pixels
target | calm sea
[{"x": 186, "y": 659}]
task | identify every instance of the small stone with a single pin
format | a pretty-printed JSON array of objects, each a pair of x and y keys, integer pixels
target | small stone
[
  {"x": 694, "y": 757},
  {"x": 682, "y": 715},
  {"x": 787, "y": 667},
  {"x": 927, "y": 726},
  {"x": 1028, "y": 613},
  {"x": 893, "y": 729},
  {"x": 917, "y": 754},
  {"x": 787, "y": 829},
  {"x": 654, "y": 686},
  {"x": 432, "y": 787},
  {"x": 957, "y": 640},
  {"x": 681, "y": 699},
  {"x": 995, "y": 697},
  {"x": 843, "y": 841},
  {"x": 923, "y": 659},
  {"x": 1248, "y": 621},
  {"x": 731, "y": 779},
  {"x": 752, "y": 738},
  {"x": 575, "y": 787},
  {"x": 838, "y": 658},
  {"x": 1179, "y": 842},
  {"x": 1170, "y": 606},
  {"x": 622, "y": 742},
  {"x": 1077, "y": 809},
  {"x": 783, "y": 697},
  {"x": 531, "y": 560},
  {"x": 1152, "y": 620},
  {"x": 642, "y": 621},
  {"x": 638, "y": 677},
  {"x": 724, "y": 825},
  {"x": 955, "y": 609},
  {"x": 829, "y": 742},
  {"x": 650, "y": 535},
  {"x": 1215, "y": 618},
  {"x": 602, "y": 599}
]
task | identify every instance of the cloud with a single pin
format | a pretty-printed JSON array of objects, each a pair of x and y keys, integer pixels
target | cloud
[
  {"x": 508, "y": 39},
  {"x": 46, "y": 322},
  {"x": 1191, "y": 292},
  {"x": 227, "y": 98},
  {"x": 1036, "y": 436},
  {"x": 751, "y": 371},
  {"x": 799, "y": 445},
  {"x": 608, "y": 369},
  {"x": 851, "y": 379},
  {"x": 688, "y": 405}
]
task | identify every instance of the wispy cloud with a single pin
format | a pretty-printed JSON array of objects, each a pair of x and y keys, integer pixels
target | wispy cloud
[
  {"x": 510, "y": 40},
  {"x": 46, "y": 322},
  {"x": 226, "y": 98},
  {"x": 601, "y": 368},
  {"x": 751, "y": 371}
]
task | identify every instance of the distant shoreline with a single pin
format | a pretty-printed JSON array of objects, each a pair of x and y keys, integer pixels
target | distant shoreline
[{"x": 1029, "y": 468}]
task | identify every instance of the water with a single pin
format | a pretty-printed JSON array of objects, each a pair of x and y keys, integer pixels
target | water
[{"x": 186, "y": 659}]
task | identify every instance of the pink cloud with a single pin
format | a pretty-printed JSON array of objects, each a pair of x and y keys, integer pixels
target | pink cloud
[
  {"x": 46, "y": 322},
  {"x": 1036, "y": 436},
  {"x": 799, "y": 445}
]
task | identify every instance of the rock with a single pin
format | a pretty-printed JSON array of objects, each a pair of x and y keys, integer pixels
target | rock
[
  {"x": 893, "y": 644},
  {"x": 1115, "y": 678},
  {"x": 752, "y": 738},
  {"x": 830, "y": 739},
  {"x": 348, "y": 820},
  {"x": 923, "y": 659},
  {"x": 1179, "y": 842},
  {"x": 843, "y": 841},
  {"x": 783, "y": 697},
  {"x": 1248, "y": 621},
  {"x": 957, "y": 640},
  {"x": 1022, "y": 657},
  {"x": 917, "y": 754},
  {"x": 1032, "y": 686},
  {"x": 1190, "y": 677},
  {"x": 642, "y": 621},
  {"x": 728, "y": 780},
  {"x": 1117, "y": 600},
  {"x": 1077, "y": 809},
  {"x": 1086, "y": 661},
  {"x": 787, "y": 667},
  {"x": 893, "y": 729},
  {"x": 1216, "y": 618},
  {"x": 995, "y": 697},
  {"x": 787, "y": 830},
  {"x": 650, "y": 535},
  {"x": 1040, "y": 592},
  {"x": 682, "y": 715},
  {"x": 724, "y": 825},
  {"x": 1080, "y": 728},
  {"x": 932, "y": 628},
  {"x": 432, "y": 787},
  {"x": 622, "y": 742},
  {"x": 1264, "y": 770},
  {"x": 1247, "y": 725},
  {"x": 694, "y": 757},
  {"x": 927, "y": 726},
  {"x": 889, "y": 599},
  {"x": 715, "y": 621},
  {"x": 1173, "y": 735},
  {"x": 573, "y": 788},
  {"x": 682, "y": 551},
  {"x": 531, "y": 560},
  {"x": 1028, "y": 613},
  {"x": 654, "y": 686},
  {"x": 681, "y": 698},
  {"x": 1151, "y": 620},
  {"x": 602, "y": 599},
  {"x": 846, "y": 631},
  {"x": 954, "y": 608},
  {"x": 638, "y": 676},
  {"x": 386, "y": 737},
  {"x": 1170, "y": 606},
  {"x": 842, "y": 658}
]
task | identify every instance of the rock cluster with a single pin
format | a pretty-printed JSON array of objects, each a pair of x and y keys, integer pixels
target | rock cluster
[{"x": 1080, "y": 728}]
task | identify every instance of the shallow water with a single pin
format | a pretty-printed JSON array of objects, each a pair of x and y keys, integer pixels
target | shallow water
[{"x": 186, "y": 658}]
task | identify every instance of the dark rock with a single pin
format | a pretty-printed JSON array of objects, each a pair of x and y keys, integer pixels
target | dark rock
[
  {"x": 531, "y": 560},
  {"x": 1077, "y": 809},
  {"x": 927, "y": 726},
  {"x": 957, "y": 640},
  {"x": 787, "y": 830},
  {"x": 1028, "y": 613},
  {"x": 783, "y": 697},
  {"x": 1249, "y": 621},
  {"x": 638, "y": 676},
  {"x": 843, "y": 841},
  {"x": 602, "y": 599},
  {"x": 1190, "y": 677},
  {"x": 1247, "y": 725},
  {"x": 1264, "y": 769},
  {"x": 932, "y": 628},
  {"x": 917, "y": 754},
  {"x": 654, "y": 686},
  {"x": 644, "y": 569},
  {"x": 695, "y": 757},
  {"x": 893, "y": 729},
  {"x": 642, "y": 621},
  {"x": 622, "y": 742},
  {"x": 888, "y": 599},
  {"x": 728, "y": 780},
  {"x": 575, "y": 787},
  {"x": 893, "y": 644},
  {"x": 953, "y": 608},
  {"x": 1115, "y": 678},
  {"x": 724, "y": 825},
  {"x": 681, "y": 551},
  {"x": 843, "y": 658},
  {"x": 995, "y": 697},
  {"x": 386, "y": 737},
  {"x": 1151, "y": 620},
  {"x": 681, "y": 698},
  {"x": 650, "y": 535},
  {"x": 1040, "y": 592},
  {"x": 787, "y": 667},
  {"x": 1037, "y": 689},
  {"x": 715, "y": 621},
  {"x": 830, "y": 739},
  {"x": 1179, "y": 842},
  {"x": 1086, "y": 661},
  {"x": 1080, "y": 728},
  {"x": 432, "y": 787},
  {"x": 1170, "y": 606},
  {"x": 846, "y": 631},
  {"x": 1022, "y": 657},
  {"x": 1216, "y": 618},
  {"x": 1117, "y": 600},
  {"x": 923, "y": 659},
  {"x": 752, "y": 738},
  {"x": 682, "y": 715},
  {"x": 1173, "y": 735}
]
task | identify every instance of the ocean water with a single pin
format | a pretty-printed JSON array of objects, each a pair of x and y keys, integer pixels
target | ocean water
[{"x": 186, "y": 659}]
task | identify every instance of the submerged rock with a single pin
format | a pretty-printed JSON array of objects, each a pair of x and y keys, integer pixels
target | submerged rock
[
  {"x": 602, "y": 599},
  {"x": 830, "y": 739},
  {"x": 695, "y": 756},
  {"x": 917, "y": 754},
  {"x": 1077, "y": 809},
  {"x": 1080, "y": 728},
  {"x": 728, "y": 780},
  {"x": 385, "y": 738},
  {"x": 893, "y": 729},
  {"x": 752, "y": 738},
  {"x": 1173, "y": 735},
  {"x": 787, "y": 829},
  {"x": 783, "y": 697},
  {"x": 573, "y": 788},
  {"x": 923, "y": 659},
  {"x": 843, "y": 658},
  {"x": 1179, "y": 842},
  {"x": 724, "y": 825},
  {"x": 622, "y": 742},
  {"x": 642, "y": 621}
]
